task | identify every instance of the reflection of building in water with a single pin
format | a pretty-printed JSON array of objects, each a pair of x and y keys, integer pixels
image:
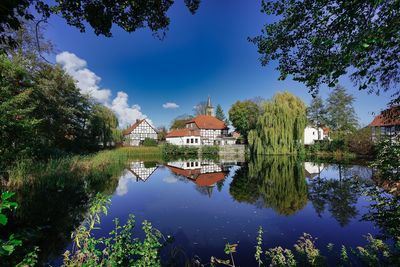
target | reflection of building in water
[
  {"x": 202, "y": 173},
  {"x": 142, "y": 170},
  {"x": 312, "y": 169}
]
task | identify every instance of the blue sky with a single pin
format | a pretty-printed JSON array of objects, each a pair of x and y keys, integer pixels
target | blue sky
[{"x": 203, "y": 54}]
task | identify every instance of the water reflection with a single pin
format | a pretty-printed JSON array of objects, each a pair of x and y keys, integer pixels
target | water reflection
[
  {"x": 338, "y": 193},
  {"x": 136, "y": 171},
  {"x": 206, "y": 174},
  {"x": 271, "y": 182}
]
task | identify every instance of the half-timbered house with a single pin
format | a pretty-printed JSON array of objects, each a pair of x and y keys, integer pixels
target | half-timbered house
[{"x": 138, "y": 132}]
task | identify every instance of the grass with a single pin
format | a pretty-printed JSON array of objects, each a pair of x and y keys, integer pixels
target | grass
[{"x": 102, "y": 164}]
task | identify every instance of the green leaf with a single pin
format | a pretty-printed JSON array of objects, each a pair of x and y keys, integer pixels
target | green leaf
[
  {"x": 3, "y": 219},
  {"x": 8, "y": 248},
  {"x": 7, "y": 195}
]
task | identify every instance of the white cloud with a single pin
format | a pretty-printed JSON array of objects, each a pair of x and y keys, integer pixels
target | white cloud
[
  {"x": 88, "y": 83},
  {"x": 170, "y": 105}
]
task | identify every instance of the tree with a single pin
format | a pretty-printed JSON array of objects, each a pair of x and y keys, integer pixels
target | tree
[
  {"x": 280, "y": 129},
  {"x": 100, "y": 15},
  {"x": 244, "y": 115},
  {"x": 180, "y": 121},
  {"x": 316, "y": 42},
  {"x": 161, "y": 133},
  {"x": 340, "y": 111},
  {"x": 316, "y": 112},
  {"x": 18, "y": 124},
  {"x": 219, "y": 114},
  {"x": 103, "y": 125},
  {"x": 200, "y": 108}
]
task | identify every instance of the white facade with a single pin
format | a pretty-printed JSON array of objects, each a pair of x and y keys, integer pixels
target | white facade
[
  {"x": 311, "y": 134},
  {"x": 184, "y": 140},
  {"x": 140, "y": 132}
]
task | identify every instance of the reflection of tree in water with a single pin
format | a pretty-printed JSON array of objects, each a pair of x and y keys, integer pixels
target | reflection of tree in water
[
  {"x": 339, "y": 196},
  {"x": 205, "y": 190},
  {"x": 271, "y": 182},
  {"x": 51, "y": 207},
  {"x": 384, "y": 212}
]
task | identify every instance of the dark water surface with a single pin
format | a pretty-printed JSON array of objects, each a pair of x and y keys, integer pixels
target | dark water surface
[{"x": 205, "y": 204}]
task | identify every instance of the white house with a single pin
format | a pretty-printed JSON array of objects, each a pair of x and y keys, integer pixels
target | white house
[
  {"x": 139, "y": 131},
  {"x": 202, "y": 130},
  {"x": 311, "y": 134}
]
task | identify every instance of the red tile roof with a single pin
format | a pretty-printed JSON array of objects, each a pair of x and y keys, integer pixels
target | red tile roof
[
  {"x": 136, "y": 124},
  {"x": 201, "y": 179},
  {"x": 208, "y": 122},
  {"x": 183, "y": 132},
  {"x": 207, "y": 179},
  {"x": 388, "y": 117}
]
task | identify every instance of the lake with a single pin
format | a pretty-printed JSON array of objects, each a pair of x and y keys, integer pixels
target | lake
[{"x": 204, "y": 204}]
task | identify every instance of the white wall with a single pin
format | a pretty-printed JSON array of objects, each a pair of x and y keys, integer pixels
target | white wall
[
  {"x": 183, "y": 141},
  {"x": 311, "y": 134}
]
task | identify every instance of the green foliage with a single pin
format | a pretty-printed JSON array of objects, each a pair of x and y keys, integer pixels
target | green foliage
[
  {"x": 174, "y": 150},
  {"x": 7, "y": 246},
  {"x": 103, "y": 125},
  {"x": 387, "y": 160},
  {"x": 271, "y": 182},
  {"x": 150, "y": 142},
  {"x": 43, "y": 114},
  {"x": 120, "y": 248},
  {"x": 180, "y": 122},
  {"x": 259, "y": 251},
  {"x": 360, "y": 142},
  {"x": 280, "y": 129},
  {"x": 101, "y": 16},
  {"x": 210, "y": 150},
  {"x": 307, "y": 251},
  {"x": 18, "y": 124},
  {"x": 340, "y": 111},
  {"x": 316, "y": 112},
  {"x": 317, "y": 42},
  {"x": 244, "y": 115},
  {"x": 281, "y": 257},
  {"x": 219, "y": 113}
]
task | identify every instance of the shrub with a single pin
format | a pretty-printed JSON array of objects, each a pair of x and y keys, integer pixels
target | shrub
[
  {"x": 210, "y": 150},
  {"x": 360, "y": 142},
  {"x": 149, "y": 142}
]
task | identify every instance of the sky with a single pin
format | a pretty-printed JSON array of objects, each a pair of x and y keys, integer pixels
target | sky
[{"x": 206, "y": 54}]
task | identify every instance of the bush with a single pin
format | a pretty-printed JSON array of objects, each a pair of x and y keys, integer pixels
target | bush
[
  {"x": 149, "y": 142},
  {"x": 360, "y": 142},
  {"x": 210, "y": 150}
]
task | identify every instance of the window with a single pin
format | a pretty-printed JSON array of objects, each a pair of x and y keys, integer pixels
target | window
[
  {"x": 196, "y": 140},
  {"x": 187, "y": 164},
  {"x": 192, "y": 164},
  {"x": 191, "y": 141},
  {"x": 187, "y": 141}
]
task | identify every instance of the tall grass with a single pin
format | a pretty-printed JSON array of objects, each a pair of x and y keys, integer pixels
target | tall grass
[{"x": 102, "y": 164}]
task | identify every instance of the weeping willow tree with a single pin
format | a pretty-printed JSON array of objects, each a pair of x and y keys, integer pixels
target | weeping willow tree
[
  {"x": 280, "y": 129},
  {"x": 271, "y": 182}
]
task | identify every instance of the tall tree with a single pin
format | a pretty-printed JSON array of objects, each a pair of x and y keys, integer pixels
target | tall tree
[
  {"x": 200, "y": 108},
  {"x": 103, "y": 124},
  {"x": 316, "y": 42},
  {"x": 316, "y": 112},
  {"x": 18, "y": 125},
  {"x": 219, "y": 113},
  {"x": 280, "y": 129},
  {"x": 244, "y": 115},
  {"x": 100, "y": 15},
  {"x": 180, "y": 121},
  {"x": 340, "y": 111}
]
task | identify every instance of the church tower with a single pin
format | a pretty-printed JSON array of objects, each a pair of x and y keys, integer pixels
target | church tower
[{"x": 209, "y": 108}]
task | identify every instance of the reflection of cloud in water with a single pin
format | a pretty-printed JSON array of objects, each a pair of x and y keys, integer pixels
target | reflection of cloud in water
[
  {"x": 122, "y": 187},
  {"x": 170, "y": 180}
]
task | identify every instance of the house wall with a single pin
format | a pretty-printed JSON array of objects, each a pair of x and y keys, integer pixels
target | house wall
[
  {"x": 311, "y": 134},
  {"x": 141, "y": 132},
  {"x": 208, "y": 136},
  {"x": 184, "y": 141}
]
